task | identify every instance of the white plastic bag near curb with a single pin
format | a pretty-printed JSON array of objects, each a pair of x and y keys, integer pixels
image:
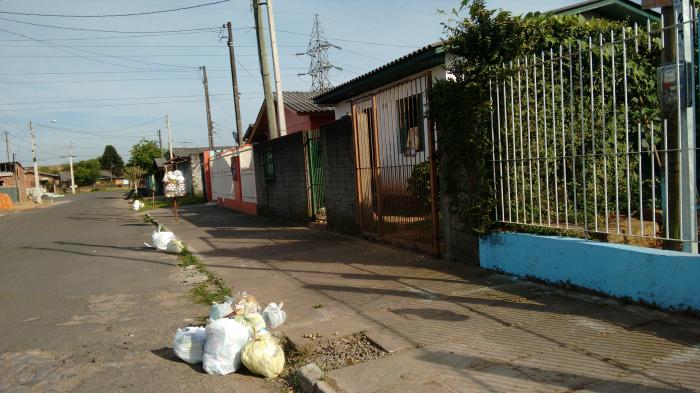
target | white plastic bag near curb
[
  {"x": 161, "y": 239},
  {"x": 274, "y": 315},
  {"x": 137, "y": 205},
  {"x": 188, "y": 344},
  {"x": 225, "y": 339},
  {"x": 263, "y": 356},
  {"x": 174, "y": 247},
  {"x": 219, "y": 310}
]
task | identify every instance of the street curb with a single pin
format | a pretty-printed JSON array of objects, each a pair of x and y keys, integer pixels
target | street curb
[{"x": 310, "y": 379}]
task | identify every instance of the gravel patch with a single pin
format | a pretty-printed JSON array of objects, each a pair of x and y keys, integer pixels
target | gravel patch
[{"x": 344, "y": 352}]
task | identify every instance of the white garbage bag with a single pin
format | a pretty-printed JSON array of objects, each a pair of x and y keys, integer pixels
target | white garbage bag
[
  {"x": 174, "y": 247},
  {"x": 219, "y": 310},
  {"x": 253, "y": 321},
  {"x": 137, "y": 205},
  {"x": 161, "y": 239},
  {"x": 274, "y": 315},
  {"x": 225, "y": 338},
  {"x": 188, "y": 344}
]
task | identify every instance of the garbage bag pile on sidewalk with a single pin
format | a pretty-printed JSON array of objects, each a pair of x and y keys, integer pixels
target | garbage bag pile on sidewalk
[
  {"x": 237, "y": 334},
  {"x": 174, "y": 184},
  {"x": 165, "y": 241}
]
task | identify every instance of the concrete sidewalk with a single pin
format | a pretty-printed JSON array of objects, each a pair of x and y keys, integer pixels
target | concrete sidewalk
[{"x": 450, "y": 328}]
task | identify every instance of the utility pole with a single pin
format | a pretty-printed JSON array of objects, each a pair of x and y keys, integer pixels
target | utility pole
[
  {"x": 281, "y": 121},
  {"x": 170, "y": 137},
  {"x": 234, "y": 78},
  {"x": 210, "y": 127},
  {"x": 160, "y": 143},
  {"x": 7, "y": 145},
  {"x": 265, "y": 70},
  {"x": 677, "y": 57},
  {"x": 70, "y": 161},
  {"x": 37, "y": 193}
]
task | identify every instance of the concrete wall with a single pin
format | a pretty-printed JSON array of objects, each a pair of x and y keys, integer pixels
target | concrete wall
[
  {"x": 283, "y": 196},
  {"x": 339, "y": 181},
  {"x": 666, "y": 278},
  {"x": 196, "y": 170},
  {"x": 240, "y": 194}
]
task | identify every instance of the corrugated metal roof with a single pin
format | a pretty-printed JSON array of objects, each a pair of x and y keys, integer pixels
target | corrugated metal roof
[
  {"x": 188, "y": 151},
  {"x": 327, "y": 95},
  {"x": 303, "y": 101}
]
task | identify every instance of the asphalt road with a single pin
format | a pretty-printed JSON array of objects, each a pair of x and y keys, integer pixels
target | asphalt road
[{"x": 85, "y": 307}]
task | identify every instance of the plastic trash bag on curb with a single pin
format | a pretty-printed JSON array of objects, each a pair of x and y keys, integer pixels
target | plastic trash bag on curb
[
  {"x": 188, "y": 344},
  {"x": 225, "y": 339},
  {"x": 243, "y": 303},
  {"x": 137, "y": 205},
  {"x": 219, "y": 310},
  {"x": 174, "y": 247},
  {"x": 263, "y": 356},
  {"x": 274, "y": 315},
  {"x": 161, "y": 239},
  {"x": 253, "y": 321}
]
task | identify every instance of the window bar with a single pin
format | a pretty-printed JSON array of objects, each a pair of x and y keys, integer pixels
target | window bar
[
  {"x": 593, "y": 157},
  {"x": 636, "y": 37},
  {"x": 614, "y": 97},
  {"x": 667, "y": 222},
  {"x": 500, "y": 150},
  {"x": 583, "y": 139},
  {"x": 493, "y": 146},
  {"x": 652, "y": 148},
  {"x": 641, "y": 191},
  {"x": 554, "y": 135},
  {"x": 649, "y": 35},
  {"x": 627, "y": 130},
  {"x": 604, "y": 131},
  {"x": 529, "y": 139},
  {"x": 562, "y": 115},
  {"x": 676, "y": 27},
  {"x": 663, "y": 34},
  {"x": 505, "y": 131},
  {"x": 522, "y": 154},
  {"x": 537, "y": 136},
  {"x": 573, "y": 131},
  {"x": 546, "y": 151},
  {"x": 513, "y": 130}
]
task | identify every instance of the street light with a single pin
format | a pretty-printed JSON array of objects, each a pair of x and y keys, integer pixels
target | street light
[{"x": 70, "y": 160}]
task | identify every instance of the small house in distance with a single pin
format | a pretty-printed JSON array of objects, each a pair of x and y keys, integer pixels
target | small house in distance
[
  {"x": 300, "y": 113},
  {"x": 191, "y": 162}
]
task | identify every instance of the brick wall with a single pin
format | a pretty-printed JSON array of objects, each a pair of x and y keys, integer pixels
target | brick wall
[
  {"x": 283, "y": 196},
  {"x": 339, "y": 175}
]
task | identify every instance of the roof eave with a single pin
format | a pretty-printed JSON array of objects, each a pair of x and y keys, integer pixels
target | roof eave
[{"x": 421, "y": 61}]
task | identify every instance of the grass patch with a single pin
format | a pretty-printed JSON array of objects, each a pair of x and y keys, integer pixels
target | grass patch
[
  {"x": 168, "y": 203},
  {"x": 213, "y": 290}
]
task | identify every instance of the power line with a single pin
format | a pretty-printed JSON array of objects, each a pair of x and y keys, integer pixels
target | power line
[
  {"x": 98, "y": 99},
  {"x": 92, "y": 58},
  {"x": 353, "y": 41},
  {"x": 116, "y": 15},
  {"x": 210, "y": 29}
]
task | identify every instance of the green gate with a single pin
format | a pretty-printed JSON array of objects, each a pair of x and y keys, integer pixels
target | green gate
[{"x": 314, "y": 174}]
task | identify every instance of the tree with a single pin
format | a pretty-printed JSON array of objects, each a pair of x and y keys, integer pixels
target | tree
[
  {"x": 87, "y": 172},
  {"x": 143, "y": 153},
  {"x": 111, "y": 160},
  {"x": 134, "y": 174}
]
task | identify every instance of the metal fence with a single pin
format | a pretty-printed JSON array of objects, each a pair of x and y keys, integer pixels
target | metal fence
[
  {"x": 581, "y": 142},
  {"x": 394, "y": 147}
]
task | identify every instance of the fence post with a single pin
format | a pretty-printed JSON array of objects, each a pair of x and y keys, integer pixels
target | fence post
[{"x": 686, "y": 46}]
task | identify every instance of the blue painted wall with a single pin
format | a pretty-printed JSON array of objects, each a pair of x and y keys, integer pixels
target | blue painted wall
[{"x": 668, "y": 278}]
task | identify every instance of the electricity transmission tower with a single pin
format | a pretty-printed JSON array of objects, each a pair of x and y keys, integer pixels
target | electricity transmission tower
[{"x": 320, "y": 66}]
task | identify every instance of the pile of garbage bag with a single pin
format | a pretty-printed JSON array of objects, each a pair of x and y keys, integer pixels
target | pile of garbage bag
[
  {"x": 174, "y": 183},
  {"x": 236, "y": 335}
]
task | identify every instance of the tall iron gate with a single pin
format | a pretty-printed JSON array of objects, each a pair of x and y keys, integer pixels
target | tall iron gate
[
  {"x": 581, "y": 142},
  {"x": 395, "y": 150},
  {"x": 314, "y": 174}
]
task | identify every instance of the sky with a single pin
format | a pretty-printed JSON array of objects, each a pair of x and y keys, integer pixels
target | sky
[{"x": 112, "y": 87}]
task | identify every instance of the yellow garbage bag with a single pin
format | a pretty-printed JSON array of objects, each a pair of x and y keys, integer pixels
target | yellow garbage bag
[
  {"x": 263, "y": 356},
  {"x": 253, "y": 321}
]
